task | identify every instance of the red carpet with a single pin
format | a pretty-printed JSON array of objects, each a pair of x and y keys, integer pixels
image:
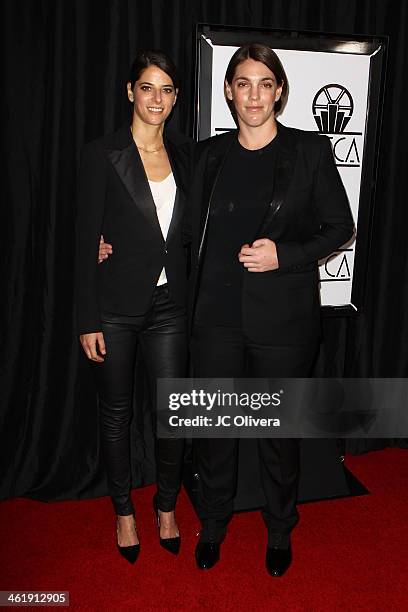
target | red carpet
[{"x": 349, "y": 554}]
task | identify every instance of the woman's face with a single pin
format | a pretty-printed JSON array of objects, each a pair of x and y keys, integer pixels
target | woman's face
[
  {"x": 153, "y": 96},
  {"x": 253, "y": 91}
]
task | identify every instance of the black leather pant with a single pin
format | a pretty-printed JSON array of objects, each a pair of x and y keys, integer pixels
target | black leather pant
[
  {"x": 161, "y": 335},
  {"x": 225, "y": 352}
]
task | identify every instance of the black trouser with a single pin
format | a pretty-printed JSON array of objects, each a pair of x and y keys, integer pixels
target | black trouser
[
  {"x": 162, "y": 339},
  {"x": 223, "y": 352}
]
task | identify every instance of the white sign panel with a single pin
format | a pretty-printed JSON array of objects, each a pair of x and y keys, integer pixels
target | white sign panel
[{"x": 328, "y": 94}]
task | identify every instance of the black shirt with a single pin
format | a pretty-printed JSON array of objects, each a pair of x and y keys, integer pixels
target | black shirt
[{"x": 240, "y": 201}]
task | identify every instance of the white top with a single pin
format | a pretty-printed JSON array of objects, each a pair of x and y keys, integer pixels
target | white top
[{"x": 164, "y": 194}]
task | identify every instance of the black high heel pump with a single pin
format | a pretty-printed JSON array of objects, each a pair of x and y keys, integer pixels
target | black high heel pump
[
  {"x": 172, "y": 545},
  {"x": 130, "y": 553}
]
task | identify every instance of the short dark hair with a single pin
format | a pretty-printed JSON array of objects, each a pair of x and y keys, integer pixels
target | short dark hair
[
  {"x": 146, "y": 58},
  {"x": 260, "y": 53}
]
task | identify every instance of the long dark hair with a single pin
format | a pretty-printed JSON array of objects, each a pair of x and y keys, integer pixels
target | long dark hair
[
  {"x": 260, "y": 53},
  {"x": 146, "y": 58}
]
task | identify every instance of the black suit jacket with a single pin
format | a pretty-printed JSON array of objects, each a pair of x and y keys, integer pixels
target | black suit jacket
[
  {"x": 115, "y": 200},
  {"x": 308, "y": 217}
]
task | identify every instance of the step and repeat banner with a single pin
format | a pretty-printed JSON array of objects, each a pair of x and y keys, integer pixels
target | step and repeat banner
[{"x": 334, "y": 89}]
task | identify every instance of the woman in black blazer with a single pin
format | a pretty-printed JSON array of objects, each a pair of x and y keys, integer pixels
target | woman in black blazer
[
  {"x": 268, "y": 203},
  {"x": 132, "y": 190}
]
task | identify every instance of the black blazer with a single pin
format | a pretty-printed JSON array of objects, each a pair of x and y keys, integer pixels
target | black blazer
[
  {"x": 308, "y": 217},
  {"x": 115, "y": 200}
]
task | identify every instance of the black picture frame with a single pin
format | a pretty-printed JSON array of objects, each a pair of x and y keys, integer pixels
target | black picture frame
[{"x": 372, "y": 45}]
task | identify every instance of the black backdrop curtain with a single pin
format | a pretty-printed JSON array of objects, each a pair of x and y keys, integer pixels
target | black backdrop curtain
[{"x": 64, "y": 69}]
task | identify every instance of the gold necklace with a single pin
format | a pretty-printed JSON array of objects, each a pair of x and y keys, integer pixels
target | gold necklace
[
  {"x": 150, "y": 150},
  {"x": 142, "y": 148}
]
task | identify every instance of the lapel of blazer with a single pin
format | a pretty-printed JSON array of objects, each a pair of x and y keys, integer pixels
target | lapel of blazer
[
  {"x": 214, "y": 164},
  {"x": 128, "y": 164},
  {"x": 284, "y": 166},
  {"x": 174, "y": 158}
]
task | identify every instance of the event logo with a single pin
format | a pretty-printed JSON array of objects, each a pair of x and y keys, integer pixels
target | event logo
[
  {"x": 336, "y": 267},
  {"x": 332, "y": 109}
]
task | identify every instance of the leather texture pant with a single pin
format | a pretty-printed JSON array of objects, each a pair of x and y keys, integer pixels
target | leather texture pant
[{"x": 161, "y": 337}]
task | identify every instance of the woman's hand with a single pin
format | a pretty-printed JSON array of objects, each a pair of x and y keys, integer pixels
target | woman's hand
[
  {"x": 92, "y": 344},
  {"x": 105, "y": 249},
  {"x": 260, "y": 257}
]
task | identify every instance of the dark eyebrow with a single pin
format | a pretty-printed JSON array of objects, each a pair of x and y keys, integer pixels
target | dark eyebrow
[
  {"x": 152, "y": 84},
  {"x": 244, "y": 78}
]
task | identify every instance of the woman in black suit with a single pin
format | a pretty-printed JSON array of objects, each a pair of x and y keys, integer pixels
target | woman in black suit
[
  {"x": 268, "y": 203},
  {"x": 132, "y": 190}
]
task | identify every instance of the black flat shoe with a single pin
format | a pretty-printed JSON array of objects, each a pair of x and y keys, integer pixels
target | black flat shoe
[
  {"x": 207, "y": 554},
  {"x": 130, "y": 553},
  {"x": 278, "y": 560},
  {"x": 172, "y": 545}
]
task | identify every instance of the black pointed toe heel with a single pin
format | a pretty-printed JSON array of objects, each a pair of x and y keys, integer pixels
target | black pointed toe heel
[
  {"x": 130, "y": 553},
  {"x": 172, "y": 545}
]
